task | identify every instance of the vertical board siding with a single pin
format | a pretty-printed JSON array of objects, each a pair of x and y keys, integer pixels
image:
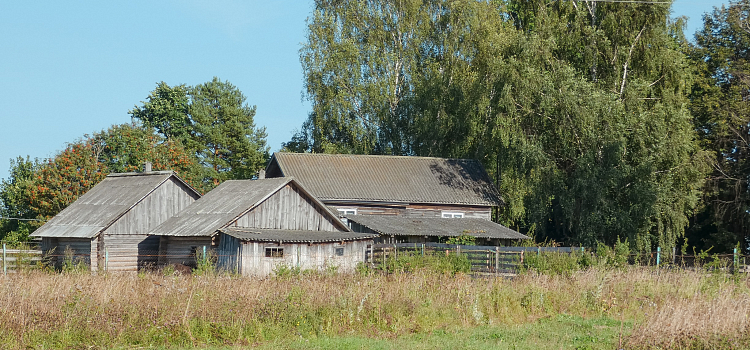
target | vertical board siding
[
  {"x": 228, "y": 253},
  {"x": 126, "y": 241},
  {"x": 288, "y": 209},
  {"x": 316, "y": 256},
  {"x": 161, "y": 204}
]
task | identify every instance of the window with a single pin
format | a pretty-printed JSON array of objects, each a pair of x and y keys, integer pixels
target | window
[
  {"x": 451, "y": 214},
  {"x": 339, "y": 251},
  {"x": 348, "y": 211},
  {"x": 274, "y": 252}
]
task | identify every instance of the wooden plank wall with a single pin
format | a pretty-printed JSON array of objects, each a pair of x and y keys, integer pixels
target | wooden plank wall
[
  {"x": 80, "y": 247},
  {"x": 253, "y": 261},
  {"x": 228, "y": 253},
  {"x": 129, "y": 252},
  {"x": 179, "y": 250},
  {"x": 166, "y": 200},
  {"x": 414, "y": 210},
  {"x": 288, "y": 209}
]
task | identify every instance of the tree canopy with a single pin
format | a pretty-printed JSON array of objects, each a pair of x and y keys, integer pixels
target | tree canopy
[
  {"x": 213, "y": 121},
  {"x": 577, "y": 108}
]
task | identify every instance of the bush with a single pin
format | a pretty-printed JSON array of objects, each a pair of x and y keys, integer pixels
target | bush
[{"x": 436, "y": 262}]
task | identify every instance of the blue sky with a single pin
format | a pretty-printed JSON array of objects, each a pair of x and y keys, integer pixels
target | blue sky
[{"x": 70, "y": 68}]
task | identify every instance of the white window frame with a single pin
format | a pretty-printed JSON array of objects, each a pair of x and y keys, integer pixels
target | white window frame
[
  {"x": 347, "y": 211},
  {"x": 452, "y": 215},
  {"x": 276, "y": 252}
]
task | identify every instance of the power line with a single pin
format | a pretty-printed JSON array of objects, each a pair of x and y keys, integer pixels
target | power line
[{"x": 20, "y": 219}]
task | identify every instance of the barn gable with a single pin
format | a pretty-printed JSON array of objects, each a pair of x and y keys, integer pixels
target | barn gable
[
  {"x": 290, "y": 208},
  {"x": 279, "y": 203}
]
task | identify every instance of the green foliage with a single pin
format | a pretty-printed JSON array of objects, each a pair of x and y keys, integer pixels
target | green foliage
[
  {"x": 616, "y": 256},
  {"x": 213, "y": 121},
  {"x": 719, "y": 104},
  {"x": 555, "y": 263},
  {"x": 462, "y": 240},
  {"x": 580, "y": 113},
  {"x": 39, "y": 190},
  {"x": 205, "y": 264},
  {"x": 406, "y": 262}
]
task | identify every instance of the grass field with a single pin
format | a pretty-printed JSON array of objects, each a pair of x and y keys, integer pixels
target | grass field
[{"x": 597, "y": 308}]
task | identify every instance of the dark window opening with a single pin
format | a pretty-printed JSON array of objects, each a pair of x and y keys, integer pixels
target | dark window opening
[
  {"x": 339, "y": 251},
  {"x": 274, "y": 252}
]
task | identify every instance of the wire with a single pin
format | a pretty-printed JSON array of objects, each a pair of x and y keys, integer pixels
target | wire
[{"x": 20, "y": 219}]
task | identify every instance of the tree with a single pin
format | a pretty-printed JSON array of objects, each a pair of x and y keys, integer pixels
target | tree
[
  {"x": 576, "y": 108},
  {"x": 213, "y": 121},
  {"x": 720, "y": 101},
  {"x": 12, "y": 201},
  {"x": 40, "y": 190}
]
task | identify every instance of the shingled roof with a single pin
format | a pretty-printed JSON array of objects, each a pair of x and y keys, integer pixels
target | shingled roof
[
  {"x": 294, "y": 236},
  {"x": 393, "y": 179},
  {"x": 223, "y": 205},
  {"x": 102, "y": 205},
  {"x": 435, "y": 227}
]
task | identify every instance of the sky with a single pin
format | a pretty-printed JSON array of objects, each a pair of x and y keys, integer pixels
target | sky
[{"x": 69, "y": 68}]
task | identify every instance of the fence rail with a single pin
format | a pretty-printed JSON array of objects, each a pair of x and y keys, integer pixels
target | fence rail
[
  {"x": 17, "y": 259},
  {"x": 483, "y": 259}
]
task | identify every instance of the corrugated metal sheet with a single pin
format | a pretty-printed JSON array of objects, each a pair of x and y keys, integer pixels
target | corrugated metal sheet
[
  {"x": 102, "y": 205},
  {"x": 343, "y": 177},
  {"x": 224, "y": 204},
  {"x": 436, "y": 227},
  {"x": 294, "y": 236}
]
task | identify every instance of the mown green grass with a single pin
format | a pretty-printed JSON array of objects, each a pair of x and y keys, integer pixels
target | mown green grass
[{"x": 560, "y": 332}]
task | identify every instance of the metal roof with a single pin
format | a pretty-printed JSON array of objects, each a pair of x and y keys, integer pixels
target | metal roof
[
  {"x": 440, "y": 227},
  {"x": 294, "y": 236},
  {"x": 103, "y": 204},
  {"x": 395, "y": 179},
  {"x": 224, "y": 204}
]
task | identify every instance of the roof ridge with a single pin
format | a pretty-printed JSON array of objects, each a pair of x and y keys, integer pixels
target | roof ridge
[{"x": 371, "y": 156}]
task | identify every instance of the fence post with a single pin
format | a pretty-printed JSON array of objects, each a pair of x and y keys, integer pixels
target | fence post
[
  {"x": 658, "y": 256},
  {"x": 736, "y": 259},
  {"x": 106, "y": 259},
  {"x": 5, "y": 262},
  {"x": 458, "y": 250},
  {"x": 497, "y": 259},
  {"x": 422, "y": 249}
]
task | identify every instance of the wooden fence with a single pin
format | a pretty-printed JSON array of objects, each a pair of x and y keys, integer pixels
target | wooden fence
[
  {"x": 14, "y": 260},
  {"x": 483, "y": 259}
]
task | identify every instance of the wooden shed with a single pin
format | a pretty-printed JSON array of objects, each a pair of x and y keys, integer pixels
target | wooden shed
[
  {"x": 392, "y": 185},
  {"x": 112, "y": 220},
  {"x": 260, "y": 252},
  {"x": 271, "y": 204},
  {"x": 423, "y": 230}
]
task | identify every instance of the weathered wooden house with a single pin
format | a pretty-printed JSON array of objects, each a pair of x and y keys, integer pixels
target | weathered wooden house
[
  {"x": 259, "y": 252},
  {"x": 112, "y": 220},
  {"x": 392, "y": 185},
  {"x": 253, "y": 226},
  {"x": 403, "y": 199}
]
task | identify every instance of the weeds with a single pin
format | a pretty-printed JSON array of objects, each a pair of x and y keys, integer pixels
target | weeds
[{"x": 664, "y": 309}]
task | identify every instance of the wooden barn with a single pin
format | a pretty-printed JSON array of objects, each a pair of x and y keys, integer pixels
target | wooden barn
[
  {"x": 108, "y": 226},
  {"x": 259, "y": 252},
  {"x": 403, "y": 199},
  {"x": 249, "y": 225},
  {"x": 392, "y": 185}
]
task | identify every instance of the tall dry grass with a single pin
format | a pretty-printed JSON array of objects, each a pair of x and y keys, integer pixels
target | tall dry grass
[{"x": 667, "y": 308}]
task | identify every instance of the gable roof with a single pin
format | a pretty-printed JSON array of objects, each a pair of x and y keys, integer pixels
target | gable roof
[
  {"x": 225, "y": 204},
  {"x": 102, "y": 205},
  {"x": 294, "y": 236},
  {"x": 436, "y": 227},
  {"x": 392, "y": 179}
]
